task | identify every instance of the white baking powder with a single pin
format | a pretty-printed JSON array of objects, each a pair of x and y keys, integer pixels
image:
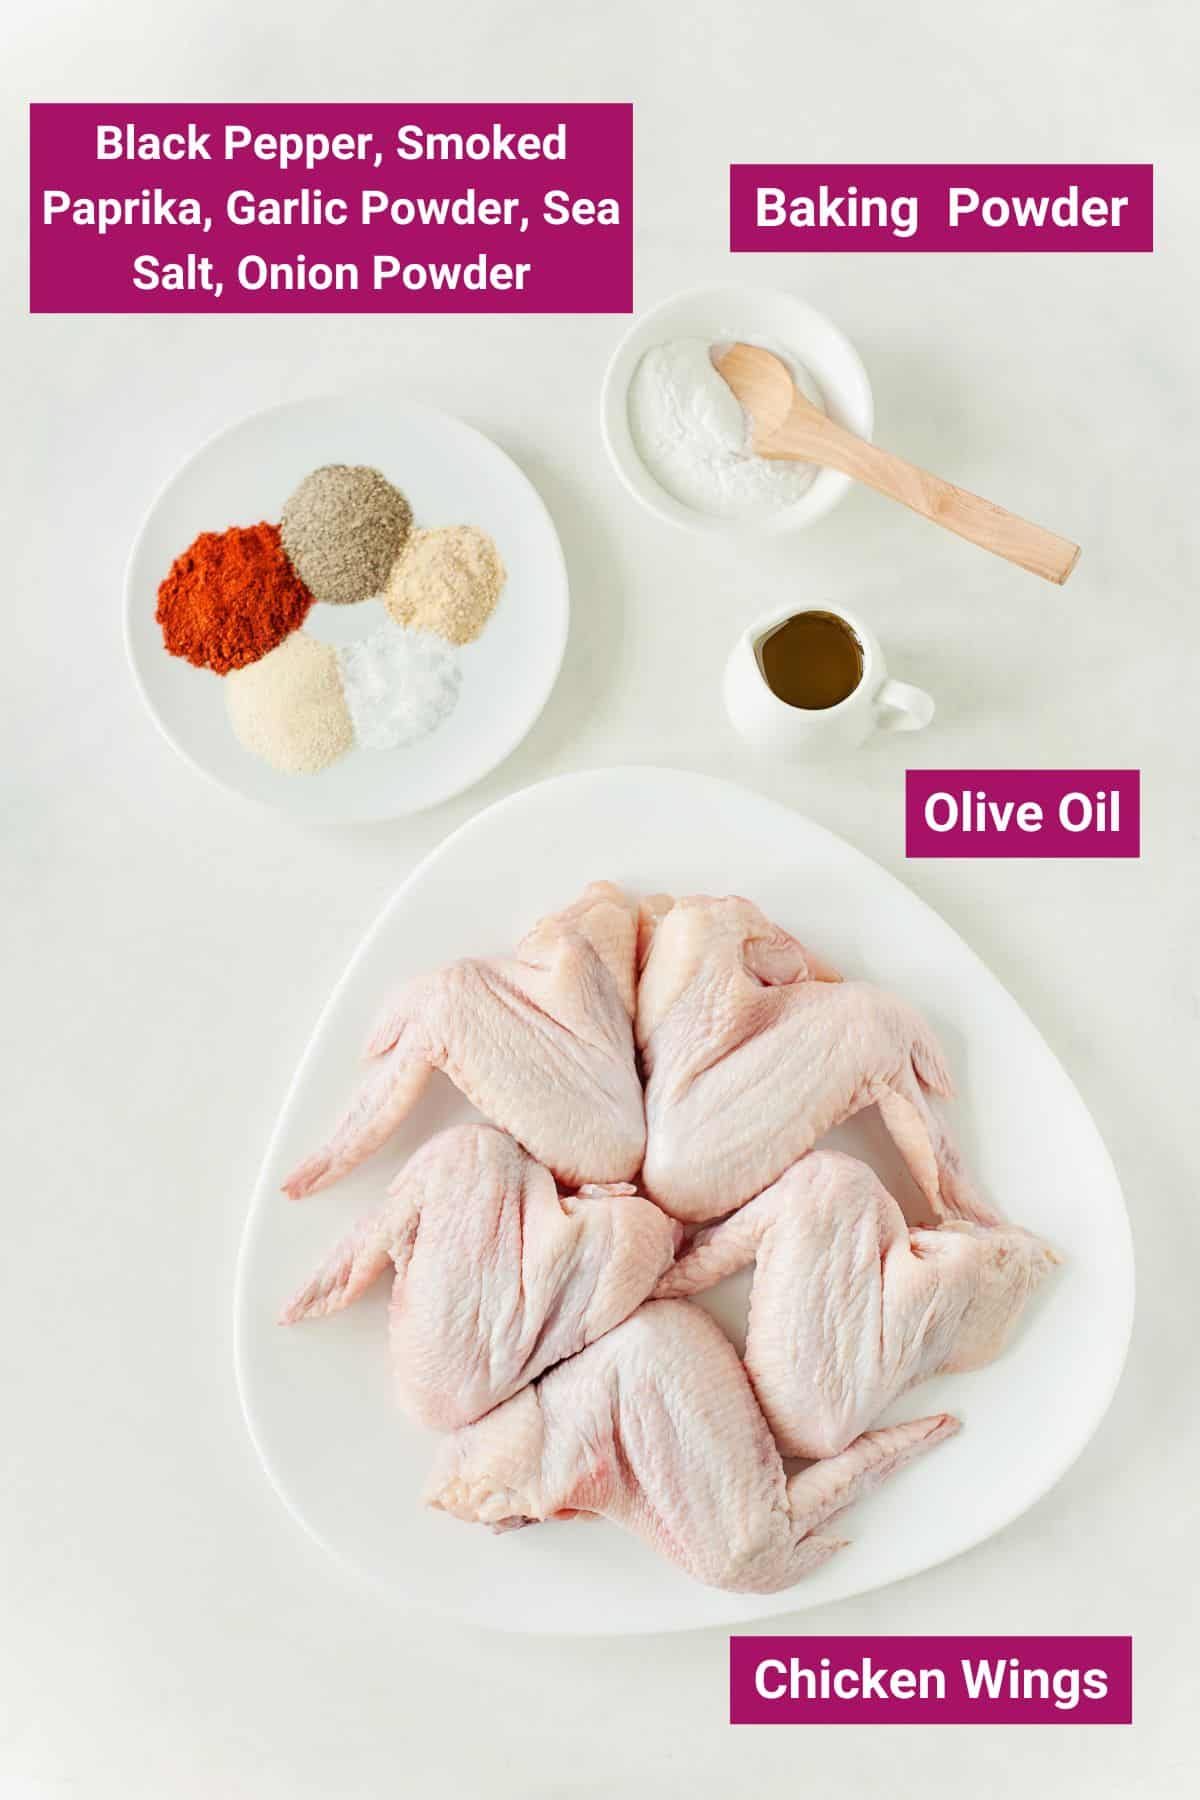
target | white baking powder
[
  {"x": 399, "y": 685},
  {"x": 694, "y": 438}
]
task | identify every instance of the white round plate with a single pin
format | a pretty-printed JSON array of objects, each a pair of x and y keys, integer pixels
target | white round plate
[
  {"x": 453, "y": 476},
  {"x": 318, "y": 1398}
]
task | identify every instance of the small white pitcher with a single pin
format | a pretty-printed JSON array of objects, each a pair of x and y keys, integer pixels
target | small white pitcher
[{"x": 776, "y": 728}]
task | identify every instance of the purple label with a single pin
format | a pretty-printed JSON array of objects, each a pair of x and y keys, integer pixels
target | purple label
[
  {"x": 490, "y": 209},
  {"x": 941, "y": 206},
  {"x": 931, "y": 1681},
  {"x": 1022, "y": 812}
]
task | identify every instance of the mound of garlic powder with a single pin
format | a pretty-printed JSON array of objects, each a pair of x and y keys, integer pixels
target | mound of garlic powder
[{"x": 289, "y": 707}]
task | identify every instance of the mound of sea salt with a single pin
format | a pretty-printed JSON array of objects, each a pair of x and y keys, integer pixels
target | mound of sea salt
[{"x": 399, "y": 685}]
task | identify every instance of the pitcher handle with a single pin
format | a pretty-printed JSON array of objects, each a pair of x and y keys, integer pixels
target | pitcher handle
[{"x": 899, "y": 707}]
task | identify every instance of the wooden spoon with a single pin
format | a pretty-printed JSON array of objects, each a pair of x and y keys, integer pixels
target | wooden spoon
[{"x": 786, "y": 426}]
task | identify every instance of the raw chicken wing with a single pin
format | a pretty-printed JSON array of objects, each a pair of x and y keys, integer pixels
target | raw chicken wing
[
  {"x": 498, "y": 1275},
  {"x": 542, "y": 1043},
  {"x": 752, "y": 1050},
  {"x": 656, "y": 1427},
  {"x": 849, "y": 1307}
]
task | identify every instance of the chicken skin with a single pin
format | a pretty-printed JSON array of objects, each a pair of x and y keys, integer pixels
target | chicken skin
[
  {"x": 849, "y": 1307},
  {"x": 541, "y": 1043},
  {"x": 752, "y": 1049},
  {"x": 655, "y": 1427},
  {"x": 497, "y": 1274}
]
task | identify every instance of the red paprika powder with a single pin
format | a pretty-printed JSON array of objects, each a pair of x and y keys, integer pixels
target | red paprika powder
[{"x": 232, "y": 596}]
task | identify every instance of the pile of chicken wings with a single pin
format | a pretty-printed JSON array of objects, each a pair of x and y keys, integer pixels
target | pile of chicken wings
[{"x": 657, "y": 1077}]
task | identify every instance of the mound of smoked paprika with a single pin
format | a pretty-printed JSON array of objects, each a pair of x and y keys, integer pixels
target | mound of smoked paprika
[{"x": 230, "y": 598}]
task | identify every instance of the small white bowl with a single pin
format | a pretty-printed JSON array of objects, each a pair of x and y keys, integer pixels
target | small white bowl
[{"x": 723, "y": 314}]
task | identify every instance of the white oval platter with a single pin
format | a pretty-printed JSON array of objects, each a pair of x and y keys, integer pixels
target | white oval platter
[{"x": 318, "y": 1399}]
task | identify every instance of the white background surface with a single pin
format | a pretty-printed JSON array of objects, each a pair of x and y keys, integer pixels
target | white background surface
[{"x": 164, "y": 1629}]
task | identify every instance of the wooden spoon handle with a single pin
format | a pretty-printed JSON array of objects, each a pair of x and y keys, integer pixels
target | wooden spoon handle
[{"x": 979, "y": 521}]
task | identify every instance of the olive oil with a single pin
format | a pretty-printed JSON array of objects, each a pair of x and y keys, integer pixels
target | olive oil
[{"x": 812, "y": 661}]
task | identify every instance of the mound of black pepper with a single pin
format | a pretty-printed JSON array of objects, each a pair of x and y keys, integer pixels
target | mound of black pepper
[{"x": 343, "y": 529}]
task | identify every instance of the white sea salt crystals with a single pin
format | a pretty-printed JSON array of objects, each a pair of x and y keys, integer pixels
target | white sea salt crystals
[
  {"x": 690, "y": 431},
  {"x": 399, "y": 685}
]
